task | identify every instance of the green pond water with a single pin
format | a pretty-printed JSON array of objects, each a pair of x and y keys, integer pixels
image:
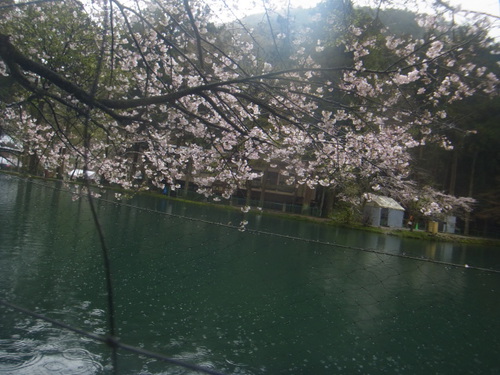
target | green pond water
[{"x": 282, "y": 297}]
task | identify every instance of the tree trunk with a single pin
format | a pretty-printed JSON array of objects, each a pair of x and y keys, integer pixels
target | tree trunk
[
  {"x": 322, "y": 202},
  {"x": 470, "y": 192},
  {"x": 263, "y": 189},
  {"x": 328, "y": 203},
  {"x": 61, "y": 168},
  {"x": 187, "y": 178},
  {"x": 248, "y": 200},
  {"x": 453, "y": 172}
]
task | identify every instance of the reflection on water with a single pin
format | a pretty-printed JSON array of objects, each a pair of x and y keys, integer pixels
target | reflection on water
[{"x": 242, "y": 303}]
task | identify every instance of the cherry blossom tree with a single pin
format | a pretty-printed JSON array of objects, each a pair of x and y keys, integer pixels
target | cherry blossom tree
[{"x": 169, "y": 92}]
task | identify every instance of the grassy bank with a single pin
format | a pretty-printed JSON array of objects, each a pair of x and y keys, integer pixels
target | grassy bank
[{"x": 399, "y": 232}]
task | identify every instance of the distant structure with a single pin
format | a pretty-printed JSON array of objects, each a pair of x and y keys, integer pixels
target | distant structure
[
  {"x": 381, "y": 211},
  {"x": 10, "y": 152},
  {"x": 449, "y": 224}
]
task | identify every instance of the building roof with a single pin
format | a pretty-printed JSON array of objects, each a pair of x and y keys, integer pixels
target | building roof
[
  {"x": 384, "y": 202},
  {"x": 8, "y": 144}
]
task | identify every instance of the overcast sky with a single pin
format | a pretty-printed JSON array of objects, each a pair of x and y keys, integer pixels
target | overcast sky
[
  {"x": 255, "y": 6},
  {"x": 487, "y": 6},
  {"x": 245, "y": 7}
]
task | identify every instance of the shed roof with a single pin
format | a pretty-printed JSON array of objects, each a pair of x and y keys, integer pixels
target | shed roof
[{"x": 384, "y": 202}]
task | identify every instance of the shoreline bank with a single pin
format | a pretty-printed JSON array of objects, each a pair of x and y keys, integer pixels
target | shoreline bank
[{"x": 400, "y": 232}]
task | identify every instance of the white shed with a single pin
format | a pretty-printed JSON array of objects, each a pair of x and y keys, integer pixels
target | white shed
[{"x": 381, "y": 211}]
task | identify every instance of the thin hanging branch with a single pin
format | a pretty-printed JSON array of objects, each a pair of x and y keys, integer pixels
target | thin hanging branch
[
  {"x": 196, "y": 32},
  {"x": 104, "y": 248}
]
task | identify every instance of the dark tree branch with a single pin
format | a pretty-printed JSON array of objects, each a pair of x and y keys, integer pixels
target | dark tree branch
[
  {"x": 196, "y": 32},
  {"x": 15, "y": 60}
]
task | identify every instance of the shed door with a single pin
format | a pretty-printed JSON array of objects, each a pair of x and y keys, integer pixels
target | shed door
[{"x": 384, "y": 217}]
